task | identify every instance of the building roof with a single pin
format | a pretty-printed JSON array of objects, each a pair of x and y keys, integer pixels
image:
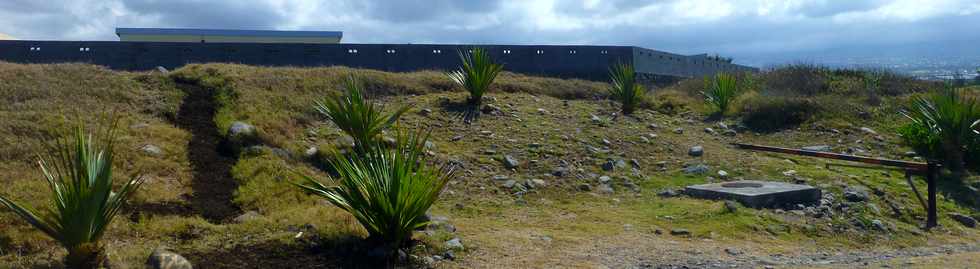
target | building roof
[{"x": 226, "y": 32}]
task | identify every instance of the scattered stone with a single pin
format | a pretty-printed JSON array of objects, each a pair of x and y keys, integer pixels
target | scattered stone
[
  {"x": 560, "y": 171},
  {"x": 668, "y": 193},
  {"x": 644, "y": 139},
  {"x": 454, "y": 244},
  {"x": 605, "y": 189},
  {"x": 680, "y": 232},
  {"x": 878, "y": 225},
  {"x": 536, "y": 183},
  {"x": 490, "y": 109},
  {"x": 710, "y": 131},
  {"x": 731, "y": 206},
  {"x": 510, "y": 183},
  {"x": 733, "y": 252},
  {"x": 855, "y": 195},
  {"x": 635, "y": 163},
  {"x": 310, "y": 152},
  {"x": 152, "y": 150},
  {"x": 606, "y": 142},
  {"x": 679, "y": 131},
  {"x": 789, "y": 173},
  {"x": 449, "y": 255},
  {"x": 696, "y": 151},
  {"x": 241, "y": 134},
  {"x": 542, "y": 111},
  {"x": 604, "y": 179},
  {"x": 964, "y": 219},
  {"x": 722, "y": 174},
  {"x": 510, "y": 162},
  {"x": 729, "y": 132},
  {"x": 697, "y": 169},
  {"x": 653, "y": 126},
  {"x": 584, "y": 187},
  {"x": 869, "y": 131},
  {"x": 247, "y": 216},
  {"x": 820, "y": 148},
  {"x": 425, "y": 112},
  {"x": 162, "y": 258}
]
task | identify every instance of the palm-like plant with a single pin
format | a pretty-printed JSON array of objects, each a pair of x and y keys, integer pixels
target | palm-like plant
[
  {"x": 360, "y": 119},
  {"x": 80, "y": 178},
  {"x": 720, "y": 91},
  {"x": 476, "y": 74},
  {"x": 625, "y": 88},
  {"x": 388, "y": 190},
  {"x": 949, "y": 116}
]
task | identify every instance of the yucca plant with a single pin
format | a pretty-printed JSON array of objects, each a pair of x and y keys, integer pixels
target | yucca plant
[
  {"x": 476, "y": 74},
  {"x": 388, "y": 190},
  {"x": 872, "y": 81},
  {"x": 720, "y": 91},
  {"x": 948, "y": 115},
  {"x": 625, "y": 88},
  {"x": 361, "y": 120},
  {"x": 79, "y": 175}
]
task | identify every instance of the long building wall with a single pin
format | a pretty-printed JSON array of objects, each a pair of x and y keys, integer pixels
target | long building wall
[{"x": 586, "y": 62}]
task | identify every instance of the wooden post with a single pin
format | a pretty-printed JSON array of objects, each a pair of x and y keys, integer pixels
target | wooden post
[{"x": 933, "y": 172}]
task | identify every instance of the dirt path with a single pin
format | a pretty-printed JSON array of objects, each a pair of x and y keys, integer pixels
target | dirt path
[{"x": 212, "y": 184}]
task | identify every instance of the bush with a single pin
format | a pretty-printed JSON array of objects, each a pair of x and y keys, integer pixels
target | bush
[
  {"x": 625, "y": 88},
  {"x": 388, "y": 190},
  {"x": 721, "y": 90},
  {"x": 805, "y": 79},
  {"x": 361, "y": 120},
  {"x": 476, "y": 74},
  {"x": 770, "y": 113},
  {"x": 80, "y": 177},
  {"x": 945, "y": 120}
]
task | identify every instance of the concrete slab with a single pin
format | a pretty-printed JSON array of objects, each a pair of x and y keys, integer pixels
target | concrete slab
[{"x": 757, "y": 194}]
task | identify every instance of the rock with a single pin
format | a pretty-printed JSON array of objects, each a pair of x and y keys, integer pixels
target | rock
[
  {"x": 542, "y": 111},
  {"x": 869, "y": 131},
  {"x": 151, "y": 150},
  {"x": 241, "y": 135},
  {"x": 729, "y": 132},
  {"x": 964, "y": 219},
  {"x": 536, "y": 183},
  {"x": 510, "y": 162},
  {"x": 247, "y": 216},
  {"x": 679, "y": 130},
  {"x": 878, "y": 225},
  {"x": 697, "y": 169},
  {"x": 429, "y": 145},
  {"x": 723, "y": 126},
  {"x": 644, "y": 139},
  {"x": 425, "y": 112},
  {"x": 855, "y": 195},
  {"x": 347, "y": 142},
  {"x": 605, "y": 189},
  {"x": 696, "y": 151},
  {"x": 789, "y": 173},
  {"x": 821, "y": 148},
  {"x": 162, "y": 258},
  {"x": 584, "y": 187},
  {"x": 731, "y": 206},
  {"x": 510, "y": 183},
  {"x": 680, "y": 232},
  {"x": 490, "y": 109},
  {"x": 606, "y": 142},
  {"x": 310, "y": 152},
  {"x": 604, "y": 179},
  {"x": 162, "y": 69},
  {"x": 454, "y": 244},
  {"x": 722, "y": 174},
  {"x": 239, "y": 128},
  {"x": 733, "y": 252},
  {"x": 611, "y": 164},
  {"x": 635, "y": 163},
  {"x": 560, "y": 171},
  {"x": 668, "y": 193},
  {"x": 710, "y": 131}
]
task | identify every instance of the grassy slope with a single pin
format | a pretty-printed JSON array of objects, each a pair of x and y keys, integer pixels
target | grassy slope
[{"x": 500, "y": 229}]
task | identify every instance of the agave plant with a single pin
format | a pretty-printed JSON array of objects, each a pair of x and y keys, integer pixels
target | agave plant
[
  {"x": 625, "y": 88},
  {"x": 476, "y": 74},
  {"x": 388, "y": 190},
  {"x": 360, "y": 119},
  {"x": 949, "y": 116},
  {"x": 80, "y": 178},
  {"x": 721, "y": 90}
]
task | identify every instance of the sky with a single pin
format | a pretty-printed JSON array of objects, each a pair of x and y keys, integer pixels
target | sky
[{"x": 755, "y": 32}]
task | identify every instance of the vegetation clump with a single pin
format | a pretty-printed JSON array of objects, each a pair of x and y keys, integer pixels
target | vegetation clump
[
  {"x": 773, "y": 113},
  {"x": 625, "y": 88},
  {"x": 361, "y": 120},
  {"x": 941, "y": 127},
  {"x": 80, "y": 178},
  {"x": 720, "y": 91},
  {"x": 476, "y": 74}
]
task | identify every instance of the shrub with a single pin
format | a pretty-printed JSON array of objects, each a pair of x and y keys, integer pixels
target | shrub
[
  {"x": 360, "y": 119},
  {"x": 721, "y": 90},
  {"x": 771, "y": 113},
  {"x": 872, "y": 81},
  {"x": 388, "y": 190},
  {"x": 947, "y": 116},
  {"x": 803, "y": 79},
  {"x": 625, "y": 88},
  {"x": 476, "y": 74},
  {"x": 80, "y": 179}
]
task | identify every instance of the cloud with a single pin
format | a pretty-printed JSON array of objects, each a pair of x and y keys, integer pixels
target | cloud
[{"x": 746, "y": 29}]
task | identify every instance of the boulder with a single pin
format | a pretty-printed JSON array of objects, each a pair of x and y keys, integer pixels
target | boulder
[
  {"x": 162, "y": 258},
  {"x": 855, "y": 195},
  {"x": 454, "y": 244},
  {"x": 241, "y": 135},
  {"x": 964, "y": 219}
]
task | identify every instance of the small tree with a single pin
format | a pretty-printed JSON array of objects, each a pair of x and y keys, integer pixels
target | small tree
[
  {"x": 948, "y": 117},
  {"x": 80, "y": 179},
  {"x": 625, "y": 88},
  {"x": 358, "y": 118},
  {"x": 720, "y": 91},
  {"x": 476, "y": 74}
]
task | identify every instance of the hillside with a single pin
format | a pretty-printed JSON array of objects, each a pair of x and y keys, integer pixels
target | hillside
[{"x": 591, "y": 188}]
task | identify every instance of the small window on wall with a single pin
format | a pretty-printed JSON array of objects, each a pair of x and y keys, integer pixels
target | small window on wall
[
  {"x": 604, "y": 52},
  {"x": 391, "y": 51},
  {"x": 506, "y": 51},
  {"x": 436, "y": 51},
  {"x": 352, "y": 51},
  {"x": 572, "y": 52},
  {"x": 539, "y": 52}
]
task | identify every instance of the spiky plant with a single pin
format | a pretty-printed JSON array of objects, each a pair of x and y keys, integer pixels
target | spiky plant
[
  {"x": 720, "y": 91},
  {"x": 625, "y": 88},
  {"x": 948, "y": 115},
  {"x": 79, "y": 175},
  {"x": 872, "y": 81},
  {"x": 476, "y": 74},
  {"x": 388, "y": 190},
  {"x": 361, "y": 120}
]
